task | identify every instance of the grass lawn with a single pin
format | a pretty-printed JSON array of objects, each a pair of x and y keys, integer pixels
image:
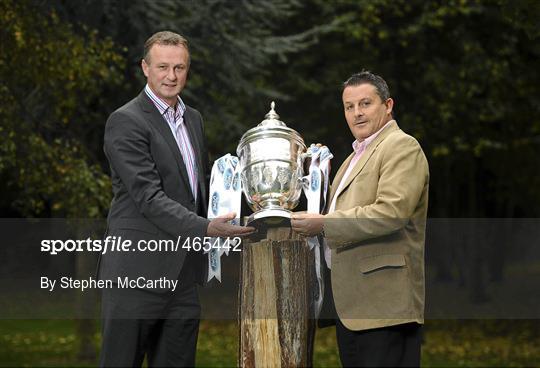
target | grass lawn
[{"x": 446, "y": 343}]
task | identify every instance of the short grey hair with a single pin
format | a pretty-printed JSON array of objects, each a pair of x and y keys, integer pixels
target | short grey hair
[{"x": 164, "y": 38}]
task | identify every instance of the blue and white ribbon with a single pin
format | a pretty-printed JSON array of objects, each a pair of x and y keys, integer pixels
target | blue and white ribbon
[
  {"x": 317, "y": 180},
  {"x": 225, "y": 197},
  {"x": 226, "y": 193}
]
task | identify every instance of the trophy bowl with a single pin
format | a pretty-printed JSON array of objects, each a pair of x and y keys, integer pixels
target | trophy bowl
[{"x": 271, "y": 160}]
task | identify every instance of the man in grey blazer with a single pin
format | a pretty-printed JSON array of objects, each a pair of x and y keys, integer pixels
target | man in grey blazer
[
  {"x": 158, "y": 159},
  {"x": 375, "y": 231}
]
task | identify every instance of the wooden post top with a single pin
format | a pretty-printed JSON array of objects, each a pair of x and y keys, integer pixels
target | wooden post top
[{"x": 280, "y": 234}]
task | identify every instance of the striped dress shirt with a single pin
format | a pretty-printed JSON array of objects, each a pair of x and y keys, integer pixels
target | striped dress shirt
[{"x": 175, "y": 118}]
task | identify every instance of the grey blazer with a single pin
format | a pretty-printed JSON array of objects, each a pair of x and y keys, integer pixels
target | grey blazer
[{"x": 152, "y": 196}]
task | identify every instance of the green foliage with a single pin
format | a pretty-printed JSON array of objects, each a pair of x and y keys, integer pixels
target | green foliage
[
  {"x": 51, "y": 77},
  {"x": 234, "y": 47},
  {"x": 464, "y": 75},
  {"x": 465, "y": 83},
  {"x": 462, "y": 72}
]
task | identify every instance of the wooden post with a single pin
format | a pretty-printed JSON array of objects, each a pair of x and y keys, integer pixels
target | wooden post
[{"x": 276, "y": 304}]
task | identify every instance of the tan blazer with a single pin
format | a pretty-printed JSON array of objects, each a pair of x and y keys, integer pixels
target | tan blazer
[{"x": 377, "y": 234}]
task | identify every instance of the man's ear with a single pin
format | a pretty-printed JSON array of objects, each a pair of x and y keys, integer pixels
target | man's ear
[
  {"x": 389, "y": 105},
  {"x": 144, "y": 67}
]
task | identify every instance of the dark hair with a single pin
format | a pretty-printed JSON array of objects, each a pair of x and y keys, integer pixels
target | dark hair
[
  {"x": 164, "y": 38},
  {"x": 365, "y": 76}
]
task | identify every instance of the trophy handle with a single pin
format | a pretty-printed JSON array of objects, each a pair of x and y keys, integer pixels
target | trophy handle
[
  {"x": 304, "y": 181},
  {"x": 305, "y": 158}
]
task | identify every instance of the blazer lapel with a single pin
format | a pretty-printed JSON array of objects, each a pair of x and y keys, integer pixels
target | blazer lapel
[
  {"x": 359, "y": 166},
  {"x": 163, "y": 127},
  {"x": 195, "y": 140},
  {"x": 339, "y": 177}
]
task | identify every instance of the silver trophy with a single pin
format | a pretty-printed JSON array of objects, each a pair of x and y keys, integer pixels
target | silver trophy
[{"x": 272, "y": 160}]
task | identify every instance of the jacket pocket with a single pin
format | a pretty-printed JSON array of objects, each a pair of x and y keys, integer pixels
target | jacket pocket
[{"x": 374, "y": 263}]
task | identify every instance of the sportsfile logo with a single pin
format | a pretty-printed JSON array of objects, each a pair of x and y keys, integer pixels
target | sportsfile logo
[{"x": 119, "y": 244}]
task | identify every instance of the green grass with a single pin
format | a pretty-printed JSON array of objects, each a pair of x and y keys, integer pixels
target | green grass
[
  {"x": 486, "y": 343},
  {"x": 446, "y": 343}
]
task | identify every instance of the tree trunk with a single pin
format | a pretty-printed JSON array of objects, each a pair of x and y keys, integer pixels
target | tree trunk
[{"x": 276, "y": 304}]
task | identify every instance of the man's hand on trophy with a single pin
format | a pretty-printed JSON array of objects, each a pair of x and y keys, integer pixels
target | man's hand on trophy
[
  {"x": 220, "y": 227},
  {"x": 307, "y": 224}
]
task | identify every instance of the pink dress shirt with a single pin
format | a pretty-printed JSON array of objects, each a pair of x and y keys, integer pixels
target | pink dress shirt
[{"x": 359, "y": 149}]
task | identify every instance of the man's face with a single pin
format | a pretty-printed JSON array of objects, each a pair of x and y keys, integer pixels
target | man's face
[
  {"x": 166, "y": 71},
  {"x": 365, "y": 112}
]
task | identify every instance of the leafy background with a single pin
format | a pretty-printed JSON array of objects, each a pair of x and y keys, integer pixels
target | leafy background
[{"x": 464, "y": 74}]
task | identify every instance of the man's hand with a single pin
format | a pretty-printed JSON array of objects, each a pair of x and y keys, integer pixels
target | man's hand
[
  {"x": 307, "y": 224},
  {"x": 219, "y": 227}
]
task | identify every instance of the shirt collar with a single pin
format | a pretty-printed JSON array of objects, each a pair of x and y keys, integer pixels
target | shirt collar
[
  {"x": 360, "y": 146},
  {"x": 161, "y": 105}
]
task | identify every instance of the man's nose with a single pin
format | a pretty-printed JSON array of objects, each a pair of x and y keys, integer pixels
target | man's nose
[
  {"x": 171, "y": 74},
  {"x": 358, "y": 111}
]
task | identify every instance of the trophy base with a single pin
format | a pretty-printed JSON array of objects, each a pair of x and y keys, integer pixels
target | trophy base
[{"x": 267, "y": 218}]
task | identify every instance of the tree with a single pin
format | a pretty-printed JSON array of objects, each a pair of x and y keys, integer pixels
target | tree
[
  {"x": 51, "y": 80},
  {"x": 233, "y": 44}
]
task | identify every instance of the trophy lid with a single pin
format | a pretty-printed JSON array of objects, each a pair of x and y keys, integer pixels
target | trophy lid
[
  {"x": 270, "y": 127},
  {"x": 271, "y": 119}
]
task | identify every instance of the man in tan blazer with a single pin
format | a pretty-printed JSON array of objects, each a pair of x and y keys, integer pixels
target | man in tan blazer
[{"x": 375, "y": 231}]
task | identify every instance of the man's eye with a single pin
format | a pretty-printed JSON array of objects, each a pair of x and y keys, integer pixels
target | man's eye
[
  {"x": 347, "y": 108},
  {"x": 365, "y": 104},
  {"x": 162, "y": 67}
]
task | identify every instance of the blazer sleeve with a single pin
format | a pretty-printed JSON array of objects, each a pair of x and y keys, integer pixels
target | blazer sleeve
[
  {"x": 403, "y": 176},
  {"x": 127, "y": 145}
]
